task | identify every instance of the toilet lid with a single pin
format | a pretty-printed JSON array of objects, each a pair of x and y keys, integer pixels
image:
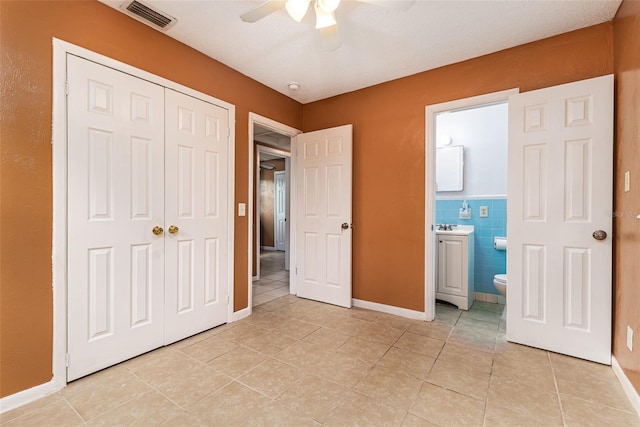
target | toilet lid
[{"x": 502, "y": 278}]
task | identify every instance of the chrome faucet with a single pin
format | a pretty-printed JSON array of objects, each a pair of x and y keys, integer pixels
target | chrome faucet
[{"x": 445, "y": 227}]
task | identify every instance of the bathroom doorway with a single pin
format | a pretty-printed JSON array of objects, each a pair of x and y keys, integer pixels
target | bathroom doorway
[{"x": 466, "y": 164}]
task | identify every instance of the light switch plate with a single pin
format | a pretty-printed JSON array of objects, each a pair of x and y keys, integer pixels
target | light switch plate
[
  {"x": 484, "y": 211},
  {"x": 242, "y": 209},
  {"x": 627, "y": 180}
]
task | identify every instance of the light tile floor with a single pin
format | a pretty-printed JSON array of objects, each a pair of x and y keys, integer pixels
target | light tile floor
[
  {"x": 274, "y": 280},
  {"x": 295, "y": 362}
]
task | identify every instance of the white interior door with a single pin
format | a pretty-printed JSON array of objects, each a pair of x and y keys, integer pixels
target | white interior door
[
  {"x": 280, "y": 212},
  {"x": 323, "y": 247},
  {"x": 197, "y": 276},
  {"x": 560, "y": 193},
  {"x": 115, "y": 198}
]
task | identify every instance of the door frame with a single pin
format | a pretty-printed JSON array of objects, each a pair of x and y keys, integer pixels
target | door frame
[
  {"x": 291, "y": 132},
  {"x": 59, "y": 157},
  {"x": 431, "y": 111},
  {"x": 256, "y": 184},
  {"x": 285, "y": 172}
]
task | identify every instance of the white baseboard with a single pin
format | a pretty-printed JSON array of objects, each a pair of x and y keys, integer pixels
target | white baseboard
[
  {"x": 628, "y": 388},
  {"x": 241, "y": 314},
  {"x": 27, "y": 396},
  {"x": 267, "y": 248},
  {"x": 398, "y": 311}
]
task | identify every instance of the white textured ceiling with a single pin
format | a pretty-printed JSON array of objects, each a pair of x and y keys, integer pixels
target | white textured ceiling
[{"x": 378, "y": 44}]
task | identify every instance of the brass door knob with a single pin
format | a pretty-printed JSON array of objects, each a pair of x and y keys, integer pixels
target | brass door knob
[
  {"x": 173, "y": 229},
  {"x": 157, "y": 230},
  {"x": 599, "y": 234}
]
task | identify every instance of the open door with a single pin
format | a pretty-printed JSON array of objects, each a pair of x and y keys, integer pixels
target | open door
[
  {"x": 323, "y": 234},
  {"x": 559, "y": 218}
]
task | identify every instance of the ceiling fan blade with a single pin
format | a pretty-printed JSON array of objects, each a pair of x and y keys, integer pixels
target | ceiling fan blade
[
  {"x": 263, "y": 9},
  {"x": 392, "y": 4},
  {"x": 330, "y": 38}
]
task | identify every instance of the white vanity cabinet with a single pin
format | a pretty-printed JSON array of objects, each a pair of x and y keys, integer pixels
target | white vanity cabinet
[{"x": 455, "y": 267}]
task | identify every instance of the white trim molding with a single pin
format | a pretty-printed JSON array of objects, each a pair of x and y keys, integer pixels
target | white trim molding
[
  {"x": 390, "y": 309},
  {"x": 241, "y": 314},
  {"x": 629, "y": 389},
  {"x": 29, "y": 395},
  {"x": 253, "y": 148}
]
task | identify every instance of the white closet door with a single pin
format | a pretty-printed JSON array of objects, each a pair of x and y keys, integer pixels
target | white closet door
[
  {"x": 197, "y": 276},
  {"x": 115, "y": 198}
]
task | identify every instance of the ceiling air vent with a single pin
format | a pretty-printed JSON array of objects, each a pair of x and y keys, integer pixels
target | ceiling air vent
[{"x": 149, "y": 15}]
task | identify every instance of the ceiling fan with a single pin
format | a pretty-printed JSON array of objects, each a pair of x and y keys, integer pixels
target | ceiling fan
[{"x": 326, "y": 22}]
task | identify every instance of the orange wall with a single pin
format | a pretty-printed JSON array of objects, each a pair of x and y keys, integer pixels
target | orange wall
[
  {"x": 626, "y": 30},
  {"x": 25, "y": 113},
  {"x": 388, "y": 120},
  {"x": 389, "y": 123}
]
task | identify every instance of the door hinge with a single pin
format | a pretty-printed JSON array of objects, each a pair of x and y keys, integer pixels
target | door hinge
[
  {"x": 67, "y": 358},
  {"x": 296, "y": 271},
  {"x": 66, "y": 88},
  {"x": 227, "y": 299}
]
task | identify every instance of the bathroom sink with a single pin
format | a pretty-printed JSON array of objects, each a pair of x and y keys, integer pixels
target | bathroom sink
[{"x": 456, "y": 230}]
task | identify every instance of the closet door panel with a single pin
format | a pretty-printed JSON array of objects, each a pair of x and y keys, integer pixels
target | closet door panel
[
  {"x": 115, "y": 196},
  {"x": 197, "y": 141}
]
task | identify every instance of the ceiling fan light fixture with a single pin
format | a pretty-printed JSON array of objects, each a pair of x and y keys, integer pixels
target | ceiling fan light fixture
[
  {"x": 324, "y": 19},
  {"x": 297, "y": 9},
  {"x": 328, "y": 6}
]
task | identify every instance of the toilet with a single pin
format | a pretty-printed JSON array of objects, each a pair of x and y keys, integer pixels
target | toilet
[{"x": 500, "y": 282}]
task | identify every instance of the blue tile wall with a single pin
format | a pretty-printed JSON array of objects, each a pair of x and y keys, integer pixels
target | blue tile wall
[{"x": 488, "y": 261}]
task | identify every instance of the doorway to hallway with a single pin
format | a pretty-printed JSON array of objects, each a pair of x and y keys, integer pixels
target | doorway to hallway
[{"x": 274, "y": 279}]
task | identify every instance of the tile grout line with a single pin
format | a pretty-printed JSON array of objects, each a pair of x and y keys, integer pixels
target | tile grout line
[
  {"x": 73, "y": 409},
  {"x": 491, "y": 377},
  {"x": 154, "y": 388},
  {"x": 555, "y": 383},
  {"x": 181, "y": 407}
]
